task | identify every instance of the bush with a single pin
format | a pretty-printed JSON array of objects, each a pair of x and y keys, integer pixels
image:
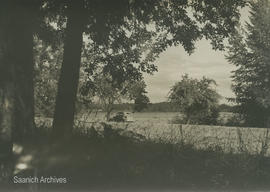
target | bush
[
  {"x": 196, "y": 99},
  {"x": 235, "y": 121},
  {"x": 203, "y": 118}
]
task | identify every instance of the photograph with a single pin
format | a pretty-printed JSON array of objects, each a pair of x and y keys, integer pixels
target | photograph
[{"x": 134, "y": 95}]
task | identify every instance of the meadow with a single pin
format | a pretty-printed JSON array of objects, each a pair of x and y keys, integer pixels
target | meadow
[
  {"x": 157, "y": 117},
  {"x": 149, "y": 153},
  {"x": 159, "y": 126}
]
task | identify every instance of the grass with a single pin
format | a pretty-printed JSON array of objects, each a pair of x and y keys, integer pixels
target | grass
[
  {"x": 105, "y": 158},
  {"x": 229, "y": 139},
  {"x": 156, "y": 126}
]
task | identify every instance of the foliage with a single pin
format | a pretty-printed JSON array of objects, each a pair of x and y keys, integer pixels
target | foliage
[
  {"x": 196, "y": 99},
  {"x": 119, "y": 117},
  {"x": 234, "y": 121},
  {"x": 104, "y": 89},
  {"x": 161, "y": 107},
  {"x": 127, "y": 42},
  {"x": 137, "y": 92},
  {"x": 249, "y": 52},
  {"x": 141, "y": 103},
  {"x": 130, "y": 35},
  {"x": 47, "y": 68},
  {"x": 226, "y": 108},
  {"x": 107, "y": 91},
  {"x": 173, "y": 22}
]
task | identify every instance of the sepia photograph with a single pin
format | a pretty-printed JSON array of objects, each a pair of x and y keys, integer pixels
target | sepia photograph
[{"x": 134, "y": 95}]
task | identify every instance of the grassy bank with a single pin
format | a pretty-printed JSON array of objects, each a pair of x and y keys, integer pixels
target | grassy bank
[{"x": 119, "y": 159}]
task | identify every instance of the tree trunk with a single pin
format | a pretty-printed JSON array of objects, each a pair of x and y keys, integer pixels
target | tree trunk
[
  {"x": 7, "y": 83},
  {"x": 7, "y": 109},
  {"x": 69, "y": 78},
  {"x": 23, "y": 53},
  {"x": 16, "y": 82},
  {"x": 108, "y": 113}
]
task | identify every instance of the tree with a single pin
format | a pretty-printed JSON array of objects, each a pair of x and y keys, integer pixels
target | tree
[
  {"x": 107, "y": 91},
  {"x": 69, "y": 76},
  {"x": 7, "y": 91},
  {"x": 47, "y": 67},
  {"x": 109, "y": 72},
  {"x": 141, "y": 103},
  {"x": 196, "y": 99},
  {"x": 137, "y": 92},
  {"x": 249, "y": 52},
  {"x": 101, "y": 19},
  {"x": 104, "y": 89},
  {"x": 16, "y": 75}
]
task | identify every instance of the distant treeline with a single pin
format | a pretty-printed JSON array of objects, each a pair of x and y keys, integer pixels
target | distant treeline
[
  {"x": 152, "y": 107},
  {"x": 164, "y": 107}
]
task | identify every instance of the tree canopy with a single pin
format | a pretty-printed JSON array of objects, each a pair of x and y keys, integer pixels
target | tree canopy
[
  {"x": 249, "y": 52},
  {"x": 149, "y": 26},
  {"x": 196, "y": 99}
]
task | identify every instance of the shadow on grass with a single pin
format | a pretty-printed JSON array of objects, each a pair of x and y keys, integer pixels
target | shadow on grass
[{"x": 116, "y": 159}]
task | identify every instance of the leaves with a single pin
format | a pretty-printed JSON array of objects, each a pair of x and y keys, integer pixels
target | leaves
[
  {"x": 197, "y": 99},
  {"x": 249, "y": 51},
  {"x": 135, "y": 32}
]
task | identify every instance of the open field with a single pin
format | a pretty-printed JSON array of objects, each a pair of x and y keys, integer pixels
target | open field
[
  {"x": 229, "y": 139},
  {"x": 163, "y": 117},
  {"x": 156, "y": 126},
  {"x": 143, "y": 116},
  {"x": 150, "y": 153},
  {"x": 154, "y": 117},
  {"x": 115, "y": 158}
]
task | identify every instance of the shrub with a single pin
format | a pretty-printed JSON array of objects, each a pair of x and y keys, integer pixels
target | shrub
[{"x": 196, "y": 99}]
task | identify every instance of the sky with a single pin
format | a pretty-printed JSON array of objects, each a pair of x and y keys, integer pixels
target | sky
[{"x": 175, "y": 62}]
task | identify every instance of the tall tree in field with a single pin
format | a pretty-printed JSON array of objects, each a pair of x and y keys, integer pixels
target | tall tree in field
[
  {"x": 137, "y": 93},
  {"x": 249, "y": 51},
  {"x": 167, "y": 23},
  {"x": 196, "y": 99},
  {"x": 105, "y": 90}
]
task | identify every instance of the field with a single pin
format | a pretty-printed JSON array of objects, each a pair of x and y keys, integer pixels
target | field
[
  {"x": 149, "y": 153},
  {"x": 144, "y": 116},
  {"x": 157, "y": 126}
]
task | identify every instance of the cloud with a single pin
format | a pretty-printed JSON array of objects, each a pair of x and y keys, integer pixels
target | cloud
[{"x": 175, "y": 62}]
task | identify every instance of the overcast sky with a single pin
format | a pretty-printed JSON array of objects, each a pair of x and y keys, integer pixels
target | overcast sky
[{"x": 175, "y": 62}]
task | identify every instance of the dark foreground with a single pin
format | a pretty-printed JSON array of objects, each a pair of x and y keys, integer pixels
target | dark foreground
[{"x": 116, "y": 160}]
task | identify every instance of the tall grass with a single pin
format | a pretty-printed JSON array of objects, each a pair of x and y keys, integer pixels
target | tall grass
[{"x": 105, "y": 156}]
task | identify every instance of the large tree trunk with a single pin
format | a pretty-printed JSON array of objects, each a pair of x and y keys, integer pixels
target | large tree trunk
[
  {"x": 69, "y": 78},
  {"x": 7, "y": 84},
  {"x": 16, "y": 83},
  {"x": 23, "y": 53},
  {"x": 7, "y": 106}
]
